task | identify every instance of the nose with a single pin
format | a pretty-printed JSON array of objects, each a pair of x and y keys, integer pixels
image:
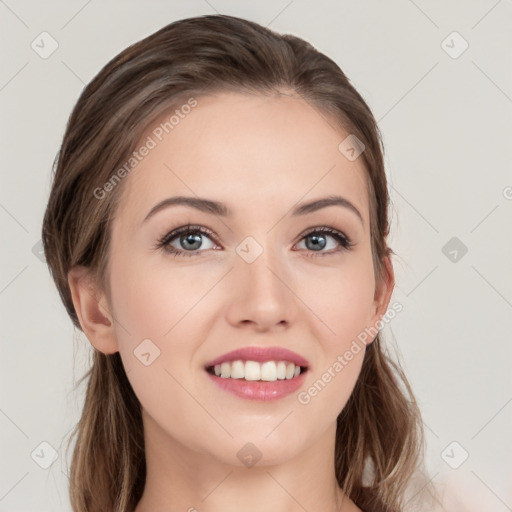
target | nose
[{"x": 261, "y": 294}]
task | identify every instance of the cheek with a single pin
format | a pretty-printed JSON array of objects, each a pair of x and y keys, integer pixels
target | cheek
[
  {"x": 342, "y": 298},
  {"x": 343, "y": 307},
  {"x": 153, "y": 300},
  {"x": 165, "y": 312},
  {"x": 162, "y": 315}
]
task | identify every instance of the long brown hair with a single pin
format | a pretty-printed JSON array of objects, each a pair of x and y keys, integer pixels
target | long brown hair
[{"x": 380, "y": 427}]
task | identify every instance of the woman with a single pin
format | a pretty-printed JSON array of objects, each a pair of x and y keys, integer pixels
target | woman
[{"x": 217, "y": 228}]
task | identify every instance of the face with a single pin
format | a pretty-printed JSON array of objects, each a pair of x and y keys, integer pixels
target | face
[{"x": 255, "y": 271}]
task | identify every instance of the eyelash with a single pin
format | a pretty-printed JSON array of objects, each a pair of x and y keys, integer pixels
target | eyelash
[{"x": 164, "y": 241}]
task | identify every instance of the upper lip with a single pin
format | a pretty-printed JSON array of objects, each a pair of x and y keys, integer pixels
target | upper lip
[{"x": 260, "y": 354}]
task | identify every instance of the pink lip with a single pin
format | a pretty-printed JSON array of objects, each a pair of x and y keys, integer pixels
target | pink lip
[
  {"x": 257, "y": 389},
  {"x": 260, "y": 354}
]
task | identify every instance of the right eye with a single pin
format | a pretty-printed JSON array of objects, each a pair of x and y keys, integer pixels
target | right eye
[{"x": 185, "y": 240}]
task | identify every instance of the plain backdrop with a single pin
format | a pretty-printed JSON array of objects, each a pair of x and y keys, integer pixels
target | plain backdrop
[{"x": 437, "y": 76}]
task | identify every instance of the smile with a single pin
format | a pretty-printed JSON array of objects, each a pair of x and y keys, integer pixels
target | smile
[
  {"x": 269, "y": 371},
  {"x": 258, "y": 373}
]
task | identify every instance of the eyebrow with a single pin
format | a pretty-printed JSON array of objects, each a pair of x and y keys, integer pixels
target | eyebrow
[{"x": 220, "y": 209}]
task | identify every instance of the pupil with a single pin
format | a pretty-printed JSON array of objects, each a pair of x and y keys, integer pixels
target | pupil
[
  {"x": 192, "y": 238},
  {"x": 318, "y": 241}
]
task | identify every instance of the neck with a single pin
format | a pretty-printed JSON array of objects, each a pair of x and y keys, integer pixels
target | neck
[{"x": 178, "y": 479}]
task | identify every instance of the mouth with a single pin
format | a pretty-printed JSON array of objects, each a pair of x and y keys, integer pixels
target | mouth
[
  {"x": 258, "y": 373},
  {"x": 253, "y": 371}
]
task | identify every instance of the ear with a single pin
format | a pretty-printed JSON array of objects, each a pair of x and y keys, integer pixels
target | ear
[
  {"x": 92, "y": 309},
  {"x": 383, "y": 291}
]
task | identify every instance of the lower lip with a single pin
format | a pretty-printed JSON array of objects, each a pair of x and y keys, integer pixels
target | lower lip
[{"x": 259, "y": 390}]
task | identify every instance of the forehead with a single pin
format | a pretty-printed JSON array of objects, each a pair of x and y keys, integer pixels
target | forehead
[{"x": 246, "y": 150}]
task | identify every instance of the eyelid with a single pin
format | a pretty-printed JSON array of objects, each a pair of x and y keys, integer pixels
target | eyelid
[
  {"x": 163, "y": 242},
  {"x": 342, "y": 239},
  {"x": 188, "y": 228}
]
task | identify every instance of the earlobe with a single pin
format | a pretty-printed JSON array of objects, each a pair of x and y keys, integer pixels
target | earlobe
[{"x": 92, "y": 310}]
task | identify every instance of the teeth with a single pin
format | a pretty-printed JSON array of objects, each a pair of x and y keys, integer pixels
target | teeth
[
  {"x": 252, "y": 370},
  {"x": 225, "y": 370},
  {"x": 269, "y": 371},
  {"x": 237, "y": 370},
  {"x": 281, "y": 370}
]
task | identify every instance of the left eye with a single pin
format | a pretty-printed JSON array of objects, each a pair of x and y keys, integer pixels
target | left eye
[{"x": 318, "y": 240}]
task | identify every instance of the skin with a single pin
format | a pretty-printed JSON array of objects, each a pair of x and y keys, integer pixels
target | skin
[{"x": 260, "y": 156}]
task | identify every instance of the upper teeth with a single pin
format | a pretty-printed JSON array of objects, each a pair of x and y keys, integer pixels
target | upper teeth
[{"x": 252, "y": 370}]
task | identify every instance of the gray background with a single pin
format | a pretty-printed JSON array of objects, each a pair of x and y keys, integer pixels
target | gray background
[{"x": 447, "y": 126}]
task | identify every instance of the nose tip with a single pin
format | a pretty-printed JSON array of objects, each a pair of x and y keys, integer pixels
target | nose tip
[{"x": 259, "y": 295}]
